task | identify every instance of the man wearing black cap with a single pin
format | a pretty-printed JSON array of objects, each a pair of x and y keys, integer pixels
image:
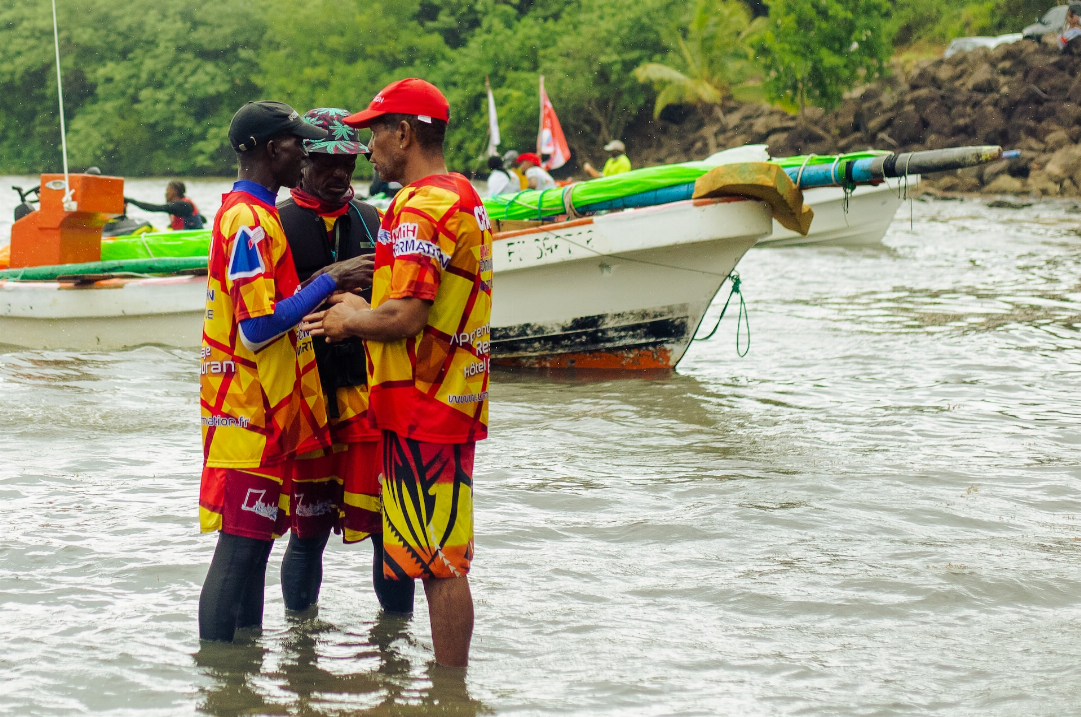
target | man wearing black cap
[{"x": 259, "y": 387}]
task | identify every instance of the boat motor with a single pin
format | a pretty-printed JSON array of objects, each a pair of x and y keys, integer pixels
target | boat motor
[
  {"x": 67, "y": 227},
  {"x": 26, "y": 201}
]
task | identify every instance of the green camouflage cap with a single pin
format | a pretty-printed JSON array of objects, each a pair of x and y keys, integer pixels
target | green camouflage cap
[{"x": 341, "y": 139}]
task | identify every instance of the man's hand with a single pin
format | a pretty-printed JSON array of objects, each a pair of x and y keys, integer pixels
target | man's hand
[
  {"x": 331, "y": 323},
  {"x": 352, "y": 274},
  {"x": 590, "y": 170},
  {"x": 353, "y": 301}
]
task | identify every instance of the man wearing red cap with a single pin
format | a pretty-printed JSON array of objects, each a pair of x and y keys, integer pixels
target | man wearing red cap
[
  {"x": 427, "y": 336},
  {"x": 529, "y": 165}
]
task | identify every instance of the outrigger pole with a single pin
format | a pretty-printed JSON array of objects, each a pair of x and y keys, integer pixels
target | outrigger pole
[
  {"x": 873, "y": 170},
  {"x": 69, "y": 206}
]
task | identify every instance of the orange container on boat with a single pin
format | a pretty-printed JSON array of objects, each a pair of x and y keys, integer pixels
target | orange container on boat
[{"x": 58, "y": 235}]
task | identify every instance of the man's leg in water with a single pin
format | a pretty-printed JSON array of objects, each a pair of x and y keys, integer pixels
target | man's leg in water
[
  {"x": 360, "y": 466},
  {"x": 427, "y": 503},
  {"x": 231, "y": 586},
  {"x": 450, "y": 611},
  {"x": 251, "y": 603},
  {"x": 394, "y": 595},
  {"x": 315, "y": 503},
  {"x": 248, "y": 508},
  {"x": 302, "y": 570}
]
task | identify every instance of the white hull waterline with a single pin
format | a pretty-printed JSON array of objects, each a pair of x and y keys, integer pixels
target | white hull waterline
[{"x": 623, "y": 290}]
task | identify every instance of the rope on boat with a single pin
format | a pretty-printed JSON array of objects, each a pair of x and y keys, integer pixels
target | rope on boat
[{"x": 740, "y": 321}]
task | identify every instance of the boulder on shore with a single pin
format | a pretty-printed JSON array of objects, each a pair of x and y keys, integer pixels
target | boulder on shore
[{"x": 1023, "y": 96}]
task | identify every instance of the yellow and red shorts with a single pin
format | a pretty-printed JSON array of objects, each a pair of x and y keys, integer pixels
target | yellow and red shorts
[
  {"x": 335, "y": 488},
  {"x": 338, "y": 488},
  {"x": 427, "y": 508},
  {"x": 249, "y": 502}
]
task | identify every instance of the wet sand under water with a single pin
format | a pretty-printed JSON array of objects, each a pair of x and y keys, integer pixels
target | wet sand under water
[{"x": 874, "y": 513}]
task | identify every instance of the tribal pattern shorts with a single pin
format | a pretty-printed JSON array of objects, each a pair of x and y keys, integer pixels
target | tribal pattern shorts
[{"x": 427, "y": 508}]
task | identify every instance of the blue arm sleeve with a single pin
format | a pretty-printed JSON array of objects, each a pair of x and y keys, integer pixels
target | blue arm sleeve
[{"x": 261, "y": 330}]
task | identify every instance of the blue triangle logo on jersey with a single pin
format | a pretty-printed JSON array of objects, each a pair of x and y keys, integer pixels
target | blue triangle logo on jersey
[{"x": 246, "y": 260}]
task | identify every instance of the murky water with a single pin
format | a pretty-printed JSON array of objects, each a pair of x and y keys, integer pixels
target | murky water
[{"x": 875, "y": 512}]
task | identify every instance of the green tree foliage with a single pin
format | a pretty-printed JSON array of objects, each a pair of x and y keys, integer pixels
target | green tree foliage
[
  {"x": 814, "y": 50},
  {"x": 587, "y": 50},
  {"x": 939, "y": 21},
  {"x": 712, "y": 58},
  {"x": 148, "y": 86}
]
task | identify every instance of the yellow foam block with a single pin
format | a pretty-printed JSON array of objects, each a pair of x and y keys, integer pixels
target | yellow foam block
[{"x": 760, "y": 180}]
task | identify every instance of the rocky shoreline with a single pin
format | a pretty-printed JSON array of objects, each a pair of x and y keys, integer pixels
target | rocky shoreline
[{"x": 1024, "y": 96}]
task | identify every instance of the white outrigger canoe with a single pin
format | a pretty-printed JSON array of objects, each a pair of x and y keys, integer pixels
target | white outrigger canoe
[
  {"x": 625, "y": 289},
  {"x": 621, "y": 290}
]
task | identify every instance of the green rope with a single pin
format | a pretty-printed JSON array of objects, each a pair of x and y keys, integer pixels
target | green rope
[
  {"x": 742, "y": 319},
  {"x": 510, "y": 201}
]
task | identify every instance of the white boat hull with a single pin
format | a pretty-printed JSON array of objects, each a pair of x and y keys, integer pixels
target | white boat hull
[
  {"x": 869, "y": 214},
  {"x": 618, "y": 291},
  {"x": 623, "y": 290},
  {"x": 104, "y": 315}
]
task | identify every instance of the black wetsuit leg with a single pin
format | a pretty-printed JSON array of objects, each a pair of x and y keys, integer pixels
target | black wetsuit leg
[
  {"x": 302, "y": 570},
  {"x": 394, "y": 595},
  {"x": 251, "y": 604},
  {"x": 233, "y": 586}
]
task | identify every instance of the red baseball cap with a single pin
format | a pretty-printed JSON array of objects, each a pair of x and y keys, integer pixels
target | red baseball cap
[
  {"x": 529, "y": 157},
  {"x": 408, "y": 97}
]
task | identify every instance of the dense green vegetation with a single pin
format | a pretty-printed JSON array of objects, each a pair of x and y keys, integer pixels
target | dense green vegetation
[{"x": 150, "y": 86}]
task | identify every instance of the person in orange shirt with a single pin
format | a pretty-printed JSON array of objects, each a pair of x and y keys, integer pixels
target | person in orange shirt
[
  {"x": 258, "y": 383},
  {"x": 427, "y": 333}
]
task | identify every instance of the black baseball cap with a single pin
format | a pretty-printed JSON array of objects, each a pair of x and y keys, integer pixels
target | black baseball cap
[{"x": 257, "y": 122}]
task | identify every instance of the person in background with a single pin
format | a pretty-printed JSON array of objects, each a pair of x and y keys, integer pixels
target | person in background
[
  {"x": 337, "y": 488},
  {"x": 617, "y": 162},
  {"x": 510, "y": 164},
  {"x": 529, "y": 164},
  {"x": 1072, "y": 28},
  {"x": 500, "y": 181},
  {"x": 428, "y": 337},
  {"x": 378, "y": 186},
  {"x": 182, "y": 211},
  {"x": 258, "y": 384}
]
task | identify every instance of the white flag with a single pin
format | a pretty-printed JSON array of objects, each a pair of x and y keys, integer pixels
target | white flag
[{"x": 493, "y": 123}]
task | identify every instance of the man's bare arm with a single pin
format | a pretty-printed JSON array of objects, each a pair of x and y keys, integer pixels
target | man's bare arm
[{"x": 350, "y": 315}]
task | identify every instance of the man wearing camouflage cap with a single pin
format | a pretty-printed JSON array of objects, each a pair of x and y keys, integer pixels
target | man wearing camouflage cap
[{"x": 324, "y": 224}]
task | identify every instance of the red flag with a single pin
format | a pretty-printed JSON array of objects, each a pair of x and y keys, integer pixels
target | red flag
[{"x": 550, "y": 140}]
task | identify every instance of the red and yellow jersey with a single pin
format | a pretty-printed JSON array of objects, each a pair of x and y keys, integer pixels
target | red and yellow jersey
[
  {"x": 258, "y": 408},
  {"x": 435, "y": 243}
]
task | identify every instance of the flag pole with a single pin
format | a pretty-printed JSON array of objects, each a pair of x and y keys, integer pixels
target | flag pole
[
  {"x": 540, "y": 124},
  {"x": 487, "y": 94}
]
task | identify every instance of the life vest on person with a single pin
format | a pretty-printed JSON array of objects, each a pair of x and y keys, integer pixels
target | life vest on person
[
  {"x": 354, "y": 234},
  {"x": 192, "y": 221}
]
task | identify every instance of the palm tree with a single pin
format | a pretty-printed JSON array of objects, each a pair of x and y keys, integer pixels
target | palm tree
[{"x": 714, "y": 58}]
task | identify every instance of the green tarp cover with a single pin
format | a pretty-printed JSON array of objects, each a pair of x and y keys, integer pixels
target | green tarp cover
[
  {"x": 157, "y": 245},
  {"x": 141, "y": 267},
  {"x": 536, "y": 204},
  {"x": 530, "y": 204}
]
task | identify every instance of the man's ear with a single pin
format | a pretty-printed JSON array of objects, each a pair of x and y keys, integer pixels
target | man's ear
[{"x": 405, "y": 134}]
